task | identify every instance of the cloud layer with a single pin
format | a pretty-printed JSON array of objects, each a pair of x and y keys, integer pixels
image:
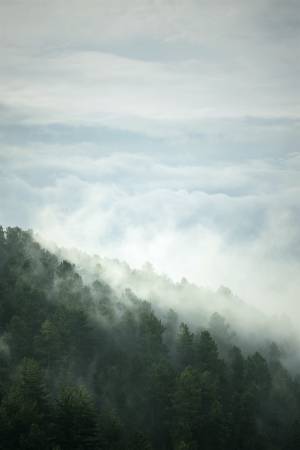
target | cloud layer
[
  {"x": 234, "y": 224},
  {"x": 165, "y": 131}
]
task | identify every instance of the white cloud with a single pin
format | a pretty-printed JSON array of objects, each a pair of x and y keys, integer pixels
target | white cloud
[
  {"x": 210, "y": 91},
  {"x": 63, "y": 63},
  {"x": 234, "y": 224}
]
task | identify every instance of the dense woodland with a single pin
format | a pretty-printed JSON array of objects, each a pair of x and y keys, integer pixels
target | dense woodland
[{"x": 83, "y": 367}]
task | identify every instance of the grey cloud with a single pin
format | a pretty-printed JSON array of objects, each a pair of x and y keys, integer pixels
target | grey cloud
[
  {"x": 162, "y": 130},
  {"x": 234, "y": 69}
]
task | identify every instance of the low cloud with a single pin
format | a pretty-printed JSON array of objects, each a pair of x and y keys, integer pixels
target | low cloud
[
  {"x": 234, "y": 225},
  {"x": 160, "y": 131}
]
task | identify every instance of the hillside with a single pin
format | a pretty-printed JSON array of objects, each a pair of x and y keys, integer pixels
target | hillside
[{"x": 87, "y": 362}]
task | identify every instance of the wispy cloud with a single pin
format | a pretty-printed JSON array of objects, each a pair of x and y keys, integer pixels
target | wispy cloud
[{"x": 78, "y": 63}]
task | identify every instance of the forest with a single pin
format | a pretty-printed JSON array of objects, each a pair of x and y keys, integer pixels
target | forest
[{"x": 86, "y": 366}]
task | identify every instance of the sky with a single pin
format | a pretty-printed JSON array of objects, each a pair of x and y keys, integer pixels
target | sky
[{"x": 162, "y": 131}]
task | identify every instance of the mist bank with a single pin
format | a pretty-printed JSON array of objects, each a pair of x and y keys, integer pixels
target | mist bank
[
  {"x": 224, "y": 220},
  {"x": 219, "y": 310},
  {"x": 88, "y": 362}
]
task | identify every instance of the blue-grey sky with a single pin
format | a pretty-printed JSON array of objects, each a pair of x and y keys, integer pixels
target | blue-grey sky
[{"x": 163, "y": 131}]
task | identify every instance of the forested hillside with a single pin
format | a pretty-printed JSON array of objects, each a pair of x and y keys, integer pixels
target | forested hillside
[{"x": 87, "y": 366}]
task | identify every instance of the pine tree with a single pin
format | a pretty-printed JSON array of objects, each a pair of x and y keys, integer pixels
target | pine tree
[{"x": 76, "y": 420}]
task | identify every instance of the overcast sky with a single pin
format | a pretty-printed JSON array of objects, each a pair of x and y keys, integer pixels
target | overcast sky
[{"x": 163, "y": 131}]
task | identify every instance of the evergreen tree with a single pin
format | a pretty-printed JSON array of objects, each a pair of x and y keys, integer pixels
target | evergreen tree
[
  {"x": 25, "y": 411},
  {"x": 76, "y": 420},
  {"x": 185, "y": 346}
]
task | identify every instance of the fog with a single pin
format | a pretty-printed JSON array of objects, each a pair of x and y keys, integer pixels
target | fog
[
  {"x": 97, "y": 340},
  {"x": 170, "y": 137},
  {"x": 231, "y": 224},
  {"x": 229, "y": 318},
  {"x": 153, "y": 148}
]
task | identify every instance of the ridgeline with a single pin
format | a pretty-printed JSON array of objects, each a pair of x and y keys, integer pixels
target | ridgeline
[{"x": 85, "y": 367}]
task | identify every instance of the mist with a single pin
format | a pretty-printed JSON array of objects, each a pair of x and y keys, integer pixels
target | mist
[
  {"x": 90, "y": 350},
  {"x": 231, "y": 223},
  {"x": 152, "y": 147},
  {"x": 174, "y": 144}
]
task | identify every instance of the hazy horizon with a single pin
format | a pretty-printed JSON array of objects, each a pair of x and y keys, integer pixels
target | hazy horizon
[{"x": 160, "y": 131}]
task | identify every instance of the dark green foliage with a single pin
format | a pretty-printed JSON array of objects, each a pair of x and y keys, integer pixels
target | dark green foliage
[
  {"x": 25, "y": 409},
  {"x": 198, "y": 416},
  {"x": 75, "y": 420},
  {"x": 294, "y": 436},
  {"x": 206, "y": 353},
  {"x": 185, "y": 346},
  {"x": 81, "y": 368}
]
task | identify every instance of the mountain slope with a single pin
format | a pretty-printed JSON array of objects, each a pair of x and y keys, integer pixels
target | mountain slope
[{"x": 89, "y": 364}]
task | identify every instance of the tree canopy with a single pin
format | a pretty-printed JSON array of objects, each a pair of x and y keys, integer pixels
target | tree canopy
[{"x": 84, "y": 368}]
